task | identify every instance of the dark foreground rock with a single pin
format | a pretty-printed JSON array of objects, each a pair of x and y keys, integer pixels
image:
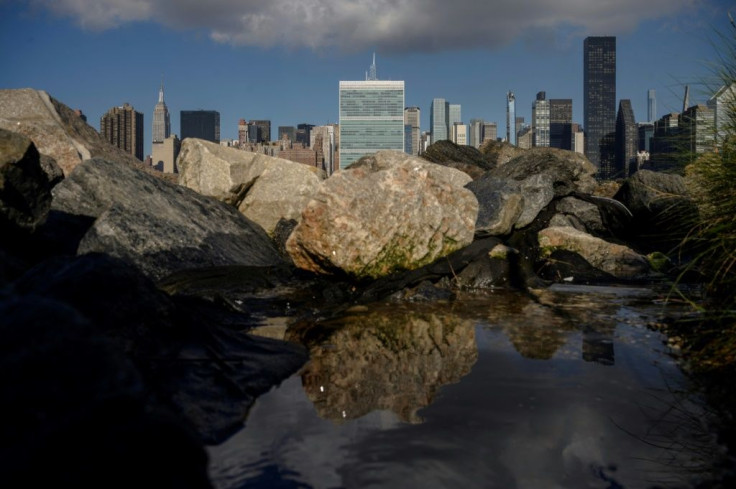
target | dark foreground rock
[
  {"x": 160, "y": 227},
  {"x": 25, "y": 189},
  {"x": 181, "y": 354}
]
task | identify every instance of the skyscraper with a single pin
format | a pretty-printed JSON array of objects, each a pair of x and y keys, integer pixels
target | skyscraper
[
  {"x": 511, "y": 118},
  {"x": 202, "y": 124},
  {"x": 454, "y": 115},
  {"x": 439, "y": 120},
  {"x": 540, "y": 121},
  {"x": 599, "y": 106},
  {"x": 161, "y": 119},
  {"x": 123, "y": 127},
  {"x": 627, "y": 140},
  {"x": 371, "y": 118},
  {"x": 651, "y": 105},
  {"x": 411, "y": 119},
  {"x": 560, "y": 123}
]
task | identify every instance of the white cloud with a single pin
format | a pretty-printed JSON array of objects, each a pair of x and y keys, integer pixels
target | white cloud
[{"x": 387, "y": 25}]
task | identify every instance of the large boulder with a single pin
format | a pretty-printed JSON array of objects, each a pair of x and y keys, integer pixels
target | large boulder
[
  {"x": 265, "y": 189},
  {"x": 511, "y": 196},
  {"x": 386, "y": 212},
  {"x": 463, "y": 158},
  {"x": 616, "y": 260},
  {"x": 159, "y": 226},
  {"x": 56, "y": 130},
  {"x": 663, "y": 212},
  {"x": 500, "y": 202},
  {"x": 25, "y": 190}
]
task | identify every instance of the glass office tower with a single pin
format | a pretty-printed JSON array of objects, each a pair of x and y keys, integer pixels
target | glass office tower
[
  {"x": 599, "y": 92},
  {"x": 371, "y": 118}
]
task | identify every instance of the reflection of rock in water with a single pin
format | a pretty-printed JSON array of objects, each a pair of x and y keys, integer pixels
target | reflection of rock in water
[
  {"x": 536, "y": 331},
  {"x": 391, "y": 359}
]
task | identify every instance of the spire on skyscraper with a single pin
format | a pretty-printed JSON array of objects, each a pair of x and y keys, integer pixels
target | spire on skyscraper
[
  {"x": 686, "y": 100},
  {"x": 161, "y": 92},
  {"x": 372, "y": 70}
]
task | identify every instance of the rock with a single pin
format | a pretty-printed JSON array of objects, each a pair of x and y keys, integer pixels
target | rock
[
  {"x": 464, "y": 158},
  {"x": 387, "y": 212},
  {"x": 79, "y": 407},
  {"x": 158, "y": 226},
  {"x": 500, "y": 203},
  {"x": 567, "y": 171},
  {"x": 585, "y": 214},
  {"x": 541, "y": 175},
  {"x": 662, "y": 211},
  {"x": 617, "y": 260},
  {"x": 191, "y": 355},
  {"x": 538, "y": 192},
  {"x": 263, "y": 188},
  {"x": 25, "y": 190},
  {"x": 57, "y": 131},
  {"x": 499, "y": 153}
]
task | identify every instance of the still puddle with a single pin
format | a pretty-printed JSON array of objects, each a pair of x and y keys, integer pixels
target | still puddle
[{"x": 569, "y": 390}]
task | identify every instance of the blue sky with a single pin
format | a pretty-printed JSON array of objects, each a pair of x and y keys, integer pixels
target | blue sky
[{"x": 282, "y": 59}]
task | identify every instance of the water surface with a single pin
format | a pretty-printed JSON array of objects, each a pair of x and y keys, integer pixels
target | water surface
[{"x": 567, "y": 389}]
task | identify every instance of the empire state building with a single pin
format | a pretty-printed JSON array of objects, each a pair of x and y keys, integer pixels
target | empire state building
[{"x": 161, "y": 119}]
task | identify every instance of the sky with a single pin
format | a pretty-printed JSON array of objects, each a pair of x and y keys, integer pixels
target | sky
[{"x": 282, "y": 60}]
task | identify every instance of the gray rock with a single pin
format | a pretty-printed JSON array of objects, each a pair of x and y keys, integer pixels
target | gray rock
[
  {"x": 500, "y": 204},
  {"x": 663, "y": 212},
  {"x": 581, "y": 212},
  {"x": 614, "y": 259},
  {"x": 568, "y": 171},
  {"x": 57, "y": 131},
  {"x": 387, "y": 212},
  {"x": 159, "y": 226},
  {"x": 263, "y": 188},
  {"x": 464, "y": 158},
  {"x": 25, "y": 190},
  {"x": 538, "y": 191}
]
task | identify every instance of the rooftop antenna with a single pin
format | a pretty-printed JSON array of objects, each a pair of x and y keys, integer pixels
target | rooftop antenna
[{"x": 161, "y": 91}]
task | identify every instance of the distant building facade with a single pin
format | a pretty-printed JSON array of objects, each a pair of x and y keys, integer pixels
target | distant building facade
[
  {"x": 560, "y": 123},
  {"x": 412, "y": 119},
  {"x": 651, "y": 105},
  {"x": 123, "y": 127},
  {"x": 161, "y": 119},
  {"x": 287, "y": 132},
  {"x": 540, "y": 121},
  {"x": 599, "y": 105},
  {"x": 164, "y": 154},
  {"x": 371, "y": 118},
  {"x": 490, "y": 132},
  {"x": 511, "y": 130},
  {"x": 439, "y": 120},
  {"x": 627, "y": 141},
  {"x": 460, "y": 134},
  {"x": 201, "y": 124}
]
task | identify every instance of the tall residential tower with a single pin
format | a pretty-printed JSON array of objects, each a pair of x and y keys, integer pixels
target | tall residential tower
[{"x": 123, "y": 127}]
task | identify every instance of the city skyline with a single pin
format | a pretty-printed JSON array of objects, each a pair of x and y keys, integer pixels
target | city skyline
[{"x": 92, "y": 66}]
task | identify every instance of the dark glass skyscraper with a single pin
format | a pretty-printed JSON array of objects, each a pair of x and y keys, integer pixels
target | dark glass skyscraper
[
  {"x": 202, "y": 124},
  {"x": 627, "y": 140},
  {"x": 599, "y": 91}
]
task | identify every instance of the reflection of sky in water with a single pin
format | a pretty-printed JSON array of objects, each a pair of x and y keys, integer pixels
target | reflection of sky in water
[{"x": 574, "y": 421}]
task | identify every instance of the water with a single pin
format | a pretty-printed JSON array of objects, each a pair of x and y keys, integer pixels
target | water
[{"x": 569, "y": 389}]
